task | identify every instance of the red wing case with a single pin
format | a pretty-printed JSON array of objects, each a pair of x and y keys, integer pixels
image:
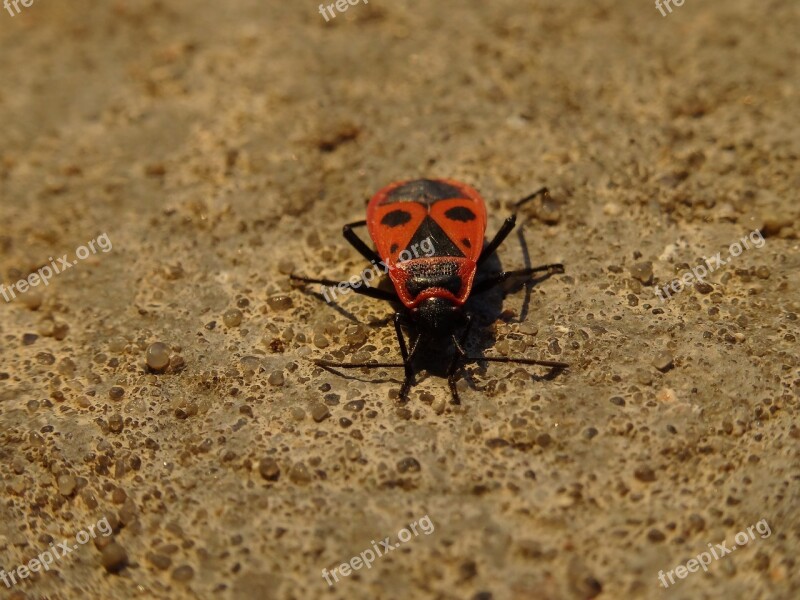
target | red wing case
[{"x": 428, "y": 231}]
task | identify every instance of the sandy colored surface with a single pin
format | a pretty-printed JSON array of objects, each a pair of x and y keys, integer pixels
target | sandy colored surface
[{"x": 220, "y": 146}]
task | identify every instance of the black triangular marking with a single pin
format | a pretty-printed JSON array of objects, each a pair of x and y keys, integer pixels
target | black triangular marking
[{"x": 442, "y": 244}]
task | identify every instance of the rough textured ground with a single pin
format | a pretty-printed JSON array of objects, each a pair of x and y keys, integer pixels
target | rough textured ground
[{"x": 222, "y": 145}]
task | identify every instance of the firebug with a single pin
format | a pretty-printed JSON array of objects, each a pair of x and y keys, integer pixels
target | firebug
[{"x": 431, "y": 291}]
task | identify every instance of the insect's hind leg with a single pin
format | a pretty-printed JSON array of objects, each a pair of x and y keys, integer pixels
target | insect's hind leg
[
  {"x": 408, "y": 357},
  {"x": 357, "y": 243},
  {"x": 332, "y": 283},
  {"x": 487, "y": 284},
  {"x": 460, "y": 354},
  {"x": 509, "y": 224}
]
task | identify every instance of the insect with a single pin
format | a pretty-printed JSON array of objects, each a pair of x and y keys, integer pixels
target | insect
[{"x": 431, "y": 291}]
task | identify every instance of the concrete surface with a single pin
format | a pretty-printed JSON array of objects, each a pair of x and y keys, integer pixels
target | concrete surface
[{"x": 220, "y": 146}]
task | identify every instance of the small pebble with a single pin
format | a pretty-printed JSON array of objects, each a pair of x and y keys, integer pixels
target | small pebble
[
  {"x": 643, "y": 271},
  {"x": 161, "y": 562},
  {"x": 268, "y": 469},
  {"x": 319, "y": 412},
  {"x": 232, "y": 317},
  {"x": 549, "y": 212},
  {"x": 409, "y": 465},
  {"x": 117, "y": 344},
  {"x": 183, "y": 573},
  {"x": 280, "y": 302},
  {"x": 60, "y": 331},
  {"x": 355, "y": 335},
  {"x": 645, "y": 474},
  {"x": 644, "y": 377},
  {"x": 115, "y": 423},
  {"x": 29, "y": 338},
  {"x": 286, "y": 266},
  {"x": 276, "y": 378},
  {"x": 351, "y": 451},
  {"x": 354, "y": 405},
  {"x": 697, "y": 522},
  {"x": 663, "y": 361},
  {"x": 654, "y": 535},
  {"x": 33, "y": 299},
  {"x": 299, "y": 474},
  {"x": 703, "y": 287},
  {"x": 114, "y": 557},
  {"x": 157, "y": 356},
  {"x": 116, "y": 393},
  {"x": 118, "y": 496},
  {"x": 66, "y": 484}
]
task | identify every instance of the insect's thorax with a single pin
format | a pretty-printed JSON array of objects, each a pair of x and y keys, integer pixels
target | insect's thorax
[{"x": 445, "y": 277}]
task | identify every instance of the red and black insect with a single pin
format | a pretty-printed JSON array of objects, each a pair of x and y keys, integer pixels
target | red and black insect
[{"x": 433, "y": 289}]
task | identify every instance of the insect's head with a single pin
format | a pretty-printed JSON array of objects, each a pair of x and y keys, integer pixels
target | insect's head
[{"x": 438, "y": 317}]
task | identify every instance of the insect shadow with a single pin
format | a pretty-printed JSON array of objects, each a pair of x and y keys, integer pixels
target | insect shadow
[
  {"x": 486, "y": 309},
  {"x": 460, "y": 292}
]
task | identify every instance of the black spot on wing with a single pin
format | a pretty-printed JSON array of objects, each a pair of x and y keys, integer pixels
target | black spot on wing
[
  {"x": 396, "y": 218},
  {"x": 460, "y": 213},
  {"x": 466, "y": 243},
  {"x": 393, "y": 248},
  {"x": 424, "y": 191}
]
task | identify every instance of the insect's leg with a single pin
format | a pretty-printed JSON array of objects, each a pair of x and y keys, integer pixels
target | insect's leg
[
  {"x": 369, "y": 365},
  {"x": 487, "y": 284},
  {"x": 359, "y": 244},
  {"x": 364, "y": 291},
  {"x": 509, "y": 224},
  {"x": 403, "y": 352},
  {"x": 459, "y": 355},
  {"x": 520, "y": 361},
  {"x": 407, "y": 357}
]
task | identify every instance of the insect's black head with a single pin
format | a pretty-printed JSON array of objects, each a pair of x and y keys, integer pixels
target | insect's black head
[{"x": 438, "y": 317}]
